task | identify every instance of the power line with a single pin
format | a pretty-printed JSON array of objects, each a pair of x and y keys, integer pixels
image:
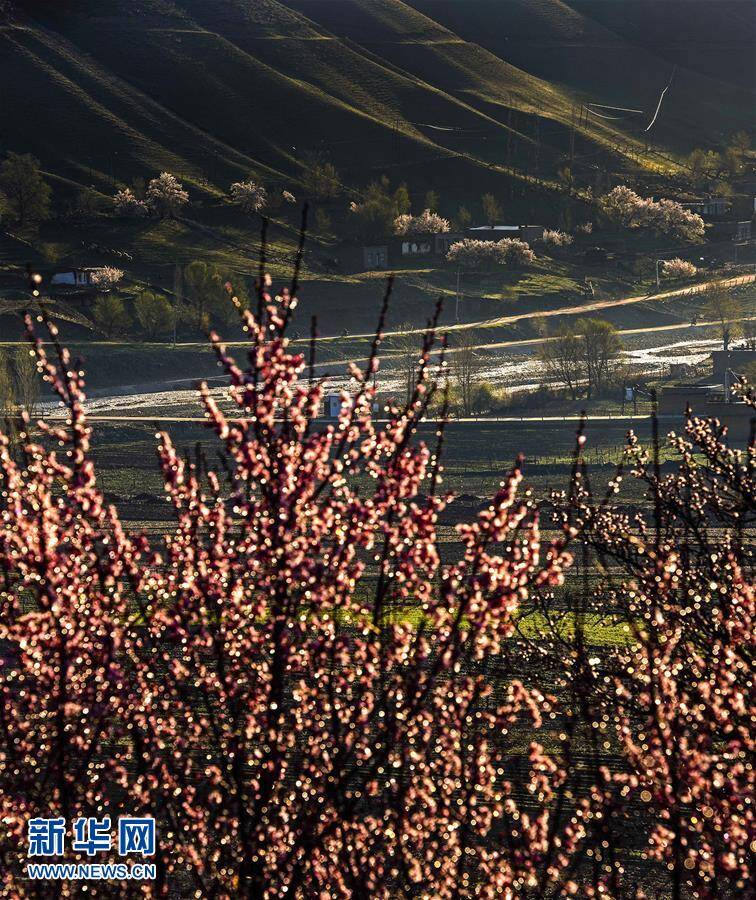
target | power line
[
  {"x": 661, "y": 98},
  {"x": 619, "y": 108}
]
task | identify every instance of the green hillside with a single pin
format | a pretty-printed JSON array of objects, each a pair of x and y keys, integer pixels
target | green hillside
[
  {"x": 106, "y": 91},
  {"x": 622, "y": 53},
  {"x": 457, "y": 96}
]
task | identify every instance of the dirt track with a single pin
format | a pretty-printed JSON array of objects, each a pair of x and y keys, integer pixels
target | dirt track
[{"x": 593, "y": 306}]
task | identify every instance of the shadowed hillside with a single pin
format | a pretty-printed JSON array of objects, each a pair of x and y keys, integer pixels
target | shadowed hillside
[
  {"x": 623, "y": 52},
  {"x": 103, "y": 92}
]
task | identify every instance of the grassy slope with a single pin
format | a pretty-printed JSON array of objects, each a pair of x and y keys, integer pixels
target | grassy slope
[
  {"x": 209, "y": 89},
  {"x": 714, "y": 37},
  {"x": 622, "y": 53},
  {"x": 123, "y": 88}
]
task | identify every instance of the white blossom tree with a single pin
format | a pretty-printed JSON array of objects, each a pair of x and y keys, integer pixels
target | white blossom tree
[
  {"x": 556, "y": 238},
  {"x": 166, "y": 195},
  {"x": 426, "y": 223},
  {"x": 476, "y": 254},
  {"x": 107, "y": 277},
  {"x": 250, "y": 196},
  {"x": 125, "y": 203},
  {"x": 624, "y": 206}
]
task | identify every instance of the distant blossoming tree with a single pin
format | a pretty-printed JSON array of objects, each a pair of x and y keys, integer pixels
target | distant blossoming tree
[
  {"x": 107, "y": 277},
  {"x": 166, "y": 195},
  {"x": 556, "y": 238},
  {"x": 250, "y": 196},
  {"x": 678, "y": 222},
  {"x": 125, "y": 203},
  {"x": 625, "y": 206},
  {"x": 426, "y": 223},
  {"x": 288, "y": 197},
  {"x": 477, "y": 254}
]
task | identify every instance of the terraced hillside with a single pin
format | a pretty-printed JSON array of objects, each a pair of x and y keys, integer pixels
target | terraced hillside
[{"x": 106, "y": 91}]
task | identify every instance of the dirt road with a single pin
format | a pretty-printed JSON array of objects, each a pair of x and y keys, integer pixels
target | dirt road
[{"x": 594, "y": 306}]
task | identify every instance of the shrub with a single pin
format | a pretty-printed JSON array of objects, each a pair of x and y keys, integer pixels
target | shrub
[
  {"x": 125, "y": 203},
  {"x": 678, "y": 268},
  {"x": 312, "y": 701},
  {"x": 556, "y": 238},
  {"x": 491, "y": 209},
  {"x": 154, "y": 313},
  {"x": 110, "y": 314},
  {"x": 376, "y": 213},
  {"x": 257, "y": 658},
  {"x": 486, "y": 398},
  {"x": 680, "y": 694},
  {"x": 321, "y": 181},
  {"x": 208, "y": 294},
  {"x": 477, "y": 254}
]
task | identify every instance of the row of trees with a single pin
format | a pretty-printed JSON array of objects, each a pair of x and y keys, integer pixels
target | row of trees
[
  {"x": 200, "y": 298},
  {"x": 385, "y": 210},
  {"x": 311, "y": 700},
  {"x": 164, "y": 196},
  {"x": 584, "y": 358},
  {"x": 705, "y": 166},
  {"x": 25, "y": 197}
]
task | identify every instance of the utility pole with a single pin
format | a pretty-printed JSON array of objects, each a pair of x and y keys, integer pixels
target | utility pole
[
  {"x": 459, "y": 296},
  {"x": 178, "y": 290},
  {"x": 573, "y": 116},
  {"x": 509, "y": 131}
]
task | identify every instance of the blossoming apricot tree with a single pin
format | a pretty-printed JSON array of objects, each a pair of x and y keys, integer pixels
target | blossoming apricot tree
[{"x": 293, "y": 682}]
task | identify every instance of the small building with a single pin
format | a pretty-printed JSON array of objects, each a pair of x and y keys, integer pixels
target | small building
[
  {"x": 737, "y": 360},
  {"x": 709, "y": 206},
  {"x": 332, "y": 406},
  {"x": 375, "y": 257},
  {"x": 73, "y": 278},
  {"x": 527, "y": 233},
  {"x": 737, "y": 232},
  {"x": 417, "y": 246},
  {"x": 442, "y": 242},
  {"x": 675, "y": 399},
  {"x": 708, "y": 402},
  {"x": 710, "y": 397}
]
